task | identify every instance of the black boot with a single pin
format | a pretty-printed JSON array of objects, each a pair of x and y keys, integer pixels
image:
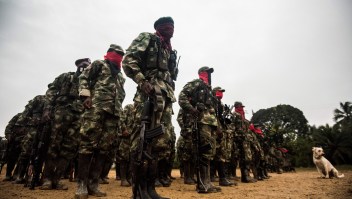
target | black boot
[
  {"x": 22, "y": 168},
  {"x": 84, "y": 161},
  {"x": 213, "y": 169},
  {"x": 105, "y": 172},
  {"x": 223, "y": 181},
  {"x": 48, "y": 174},
  {"x": 162, "y": 173},
  {"x": 151, "y": 176},
  {"x": 123, "y": 173},
  {"x": 95, "y": 170},
  {"x": 187, "y": 173},
  {"x": 61, "y": 166},
  {"x": 204, "y": 185},
  {"x": 245, "y": 177}
]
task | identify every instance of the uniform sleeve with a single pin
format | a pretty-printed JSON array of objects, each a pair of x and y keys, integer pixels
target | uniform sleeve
[
  {"x": 87, "y": 77},
  {"x": 10, "y": 125},
  {"x": 184, "y": 99},
  {"x": 133, "y": 59},
  {"x": 53, "y": 91}
]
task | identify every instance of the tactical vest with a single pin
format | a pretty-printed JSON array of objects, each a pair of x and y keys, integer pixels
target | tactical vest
[
  {"x": 69, "y": 87},
  {"x": 203, "y": 95},
  {"x": 157, "y": 62}
]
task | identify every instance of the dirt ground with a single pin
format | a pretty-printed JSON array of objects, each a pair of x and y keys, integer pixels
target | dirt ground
[{"x": 301, "y": 184}]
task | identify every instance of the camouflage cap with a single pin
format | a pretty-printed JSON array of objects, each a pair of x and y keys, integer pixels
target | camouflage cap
[
  {"x": 218, "y": 88},
  {"x": 84, "y": 62},
  {"x": 238, "y": 104},
  {"x": 205, "y": 68},
  {"x": 163, "y": 20},
  {"x": 118, "y": 49}
]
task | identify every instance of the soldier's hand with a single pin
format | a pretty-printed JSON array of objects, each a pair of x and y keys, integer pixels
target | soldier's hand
[
  {"x": 125, "y": 133},
  {"x": 87, "y": 103},
  {"x": 194, "y": 111},
  {"x": 147, "y": 88},
  {"x": 219, "y": 133},
  {"x": 46, "y": 115}
]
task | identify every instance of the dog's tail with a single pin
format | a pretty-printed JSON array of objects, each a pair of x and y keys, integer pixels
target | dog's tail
[{"x": 340, "y": 175}]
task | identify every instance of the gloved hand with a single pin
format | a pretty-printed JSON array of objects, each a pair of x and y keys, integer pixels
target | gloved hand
[
  {"x": 194, "y": 111},
  {"x": 46, "y": 115},
  {"x": 125, "y": 133},
  {"x": 186, "y": 135},
  {"x": 219, "y": 133},
  {"x": 87, "y": 103},
  {"x": 200, "y": 106},
  {"x": 147, "y": 88}
]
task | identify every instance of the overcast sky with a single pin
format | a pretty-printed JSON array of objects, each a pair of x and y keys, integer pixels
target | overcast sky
[{"x": 264, "y": 53}]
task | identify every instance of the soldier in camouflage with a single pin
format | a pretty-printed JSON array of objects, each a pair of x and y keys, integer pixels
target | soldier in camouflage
[
  {"x": 257, "y": 152},
  {"x": 123, "y": 151},
  {"x": 63, "y": 102},
  {"x": 185, "y": 150},
  {"x": 196, "y": 98},
  {"x": 101, "y": 88},
  {"x": 14, "y": 133},
  {"x": 32, "y": 115},
  {"x": 243, "y": 142},
  {"x": 148, "y": 62},
  {"x": 224, "y": 141}
]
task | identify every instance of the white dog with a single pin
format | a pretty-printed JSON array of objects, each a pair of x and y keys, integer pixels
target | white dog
[{"x": 323, "y": 165}]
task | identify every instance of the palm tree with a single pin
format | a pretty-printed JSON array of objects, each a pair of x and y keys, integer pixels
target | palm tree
[
  {"x": 343, "y": 116},
  {"x": 336, "y": 144}
]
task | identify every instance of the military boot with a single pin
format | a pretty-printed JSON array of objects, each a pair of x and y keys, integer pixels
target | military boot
[
  {"x": 48, "y": 173},
  {"x": 9, "y": 168},
  {"x": 162, "y": 173},
  {"x": 84, "y": 161},
  {"x": 223, "y": 181},
  {"x": 151, "y": 176},
  {"x": 22, "y": 168},
  {"x": 245, "y": 177},
  {"x": 204, "y": 186},
  {"x": 95, "y": 170},
  {"x": 61, "y": 166},
  {"x": 187, "y": 173},
  {"x": 123, "y": 173},
  {"x": 105, "y": 172}
]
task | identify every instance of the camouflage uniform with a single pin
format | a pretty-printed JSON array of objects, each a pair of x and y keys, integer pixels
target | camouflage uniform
[
  {"x": 242, "y": 140},
  {"x": 223, "y": 144},
  {"x": 185, "y": 147},
  {"x": 147, "y": 60},
  {"x": 123, "y": 151},
  {"x": 32, "y": 115},
  {"x": 64, "y": 103},
  {"x": 257, "y": 154},
  {"x": 102, "y": 84},
  {"x": 14, "y": 133},
  {"x": 197, "y": 95}
]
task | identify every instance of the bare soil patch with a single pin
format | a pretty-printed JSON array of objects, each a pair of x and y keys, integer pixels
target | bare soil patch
[{"x": 301, "y": 184}]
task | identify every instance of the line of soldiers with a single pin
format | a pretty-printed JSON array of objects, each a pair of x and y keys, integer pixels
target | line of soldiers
[
  {"x": 80, "y": 124},
  {"x": 215, "y": 138}
]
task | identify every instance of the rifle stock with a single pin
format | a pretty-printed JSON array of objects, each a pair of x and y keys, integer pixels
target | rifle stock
[
  {"x": 39, "y": 149},
  {"x": 199, "y": 150},
  {"x": 146, "y": 136}
]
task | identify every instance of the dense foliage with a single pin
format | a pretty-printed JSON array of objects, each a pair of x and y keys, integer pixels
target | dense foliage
[{"x": 286, "y": 126}]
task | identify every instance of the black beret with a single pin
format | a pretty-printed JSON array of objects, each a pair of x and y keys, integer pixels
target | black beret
[
  {"x": 163, "y": 20},
  {"x": 84, "y": 62}
]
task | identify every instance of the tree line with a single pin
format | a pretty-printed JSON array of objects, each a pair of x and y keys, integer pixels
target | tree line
[{"x": 286, "y": 126}]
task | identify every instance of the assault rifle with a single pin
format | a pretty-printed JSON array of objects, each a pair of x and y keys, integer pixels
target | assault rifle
[
  {"x": 199, "y": 150},
  {"x": 39, "y": 149},
  {"x": 147, "y": 134},
  {"x": 4, "y": 154}
]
